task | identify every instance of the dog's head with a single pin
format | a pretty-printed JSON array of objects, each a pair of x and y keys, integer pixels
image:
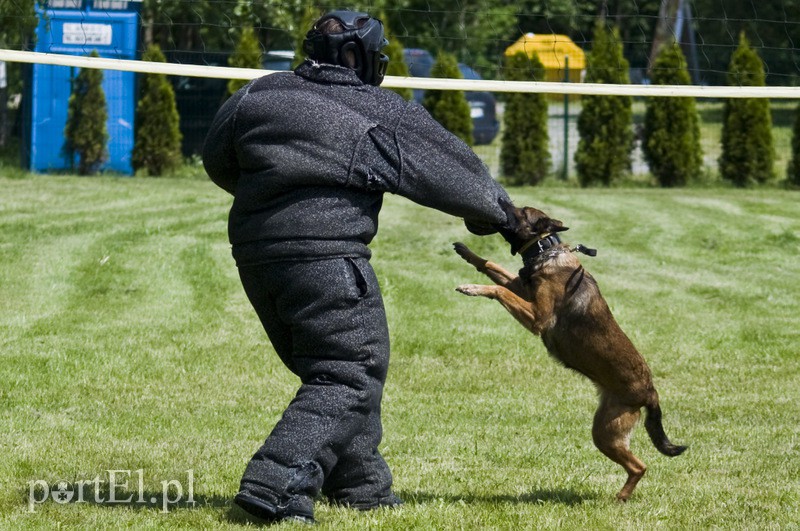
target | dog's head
[{"x": 526, "y": 224}]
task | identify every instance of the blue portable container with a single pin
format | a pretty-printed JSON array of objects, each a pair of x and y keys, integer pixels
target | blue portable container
[{"x": 76, "y": 27}]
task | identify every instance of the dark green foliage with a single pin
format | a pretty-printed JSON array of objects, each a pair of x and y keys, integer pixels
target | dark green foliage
[
  {"x": 524, "y": 150},
  {"x": 479, "y": 30},
  {"x": 310, "y": 14},
  {"x": 747, "y": 149},
  {"x": 86, "y": 133},
  {"x": 476, "y": 31},
  {"x": 605, "y": 122},
  {"x": 671, "y": 142},
  {"x": 158, "y": 138},
  {"x": 17, "y": 23},
  {"x": 449, "y": 107},
  {"x": 774, "y": 23},
  {"x": 247, "y": 55},
  {"x": 793, "y": 172},
  {"x": 397, "y": 61}
]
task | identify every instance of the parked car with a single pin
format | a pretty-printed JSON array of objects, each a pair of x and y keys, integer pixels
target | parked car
[
  {"x": 278, "y": 60},
  {"x": 482, "y": 105},
  {"x": 197, "y": 98}
]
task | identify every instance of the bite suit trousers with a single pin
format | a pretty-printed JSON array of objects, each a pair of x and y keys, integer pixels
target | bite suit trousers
[{"x": 327, "y": 322}]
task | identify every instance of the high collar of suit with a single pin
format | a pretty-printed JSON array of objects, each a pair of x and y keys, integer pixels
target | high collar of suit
[{"x": 326, "y": 73}]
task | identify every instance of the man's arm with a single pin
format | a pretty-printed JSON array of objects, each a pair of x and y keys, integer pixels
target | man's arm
[
  {"x": 438, "y": 170},
  {"x": 219, "y": 150}
]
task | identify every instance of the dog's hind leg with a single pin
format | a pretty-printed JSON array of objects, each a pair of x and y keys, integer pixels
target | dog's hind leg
[{"x": 613, "y": 424}]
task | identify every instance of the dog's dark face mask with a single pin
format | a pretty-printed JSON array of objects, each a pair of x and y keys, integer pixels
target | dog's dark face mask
[{"x": 529, "y": 224}]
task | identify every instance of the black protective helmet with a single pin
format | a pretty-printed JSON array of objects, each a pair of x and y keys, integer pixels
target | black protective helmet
[{"x": 362, "y": 35}]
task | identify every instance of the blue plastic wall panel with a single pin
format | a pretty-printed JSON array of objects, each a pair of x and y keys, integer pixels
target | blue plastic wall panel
[{"x": 112, "y": 34}]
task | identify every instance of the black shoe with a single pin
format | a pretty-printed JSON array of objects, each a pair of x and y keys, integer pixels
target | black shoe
[{"x": 273, "y": 513}]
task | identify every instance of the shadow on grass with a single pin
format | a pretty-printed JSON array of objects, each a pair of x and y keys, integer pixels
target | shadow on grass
[
  {"x": 150, "y": 500},
  {"x": 540, "y": 496},
  {"x": 782, "y": 113}
]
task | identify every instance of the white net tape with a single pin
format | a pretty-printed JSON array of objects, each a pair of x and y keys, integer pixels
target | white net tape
[{"x": 592, "y": 89}]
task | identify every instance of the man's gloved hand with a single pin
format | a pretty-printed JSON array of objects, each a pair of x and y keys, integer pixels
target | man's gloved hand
[{"x": 482, "y": 228}]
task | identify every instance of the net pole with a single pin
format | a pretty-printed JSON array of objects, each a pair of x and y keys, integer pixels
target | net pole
[
  {"x": 565, "y": 174},
  {"x": 3, "y": 105}
]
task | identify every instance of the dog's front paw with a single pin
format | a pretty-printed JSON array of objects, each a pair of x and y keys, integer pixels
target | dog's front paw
[
  {"x": 473, "y": 290},
  {"x": 464, "y": 252}
]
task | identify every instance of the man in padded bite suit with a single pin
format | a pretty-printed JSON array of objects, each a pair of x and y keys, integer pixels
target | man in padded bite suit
[{"x": 307, "y": 156}]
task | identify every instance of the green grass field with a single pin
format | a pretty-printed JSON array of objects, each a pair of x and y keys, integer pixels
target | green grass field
[{"x": 128, "y": 344}]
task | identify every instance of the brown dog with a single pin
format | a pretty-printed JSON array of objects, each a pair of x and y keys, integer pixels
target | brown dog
[{"x": 554, "y": 297}]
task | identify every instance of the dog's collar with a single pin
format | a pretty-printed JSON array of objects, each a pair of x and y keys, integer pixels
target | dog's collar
[{"x": 534, "y": 248}]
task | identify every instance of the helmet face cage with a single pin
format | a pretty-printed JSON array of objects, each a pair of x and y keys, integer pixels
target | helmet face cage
[{"x": 364, "y": 43}]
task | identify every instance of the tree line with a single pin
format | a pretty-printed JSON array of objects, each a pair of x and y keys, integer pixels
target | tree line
[
  {"x": 670, "y": 138},
  {"x": 477, "y": 32}
]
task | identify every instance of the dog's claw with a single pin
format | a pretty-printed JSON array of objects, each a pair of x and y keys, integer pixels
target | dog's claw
[{"x": 468, "y": 289}]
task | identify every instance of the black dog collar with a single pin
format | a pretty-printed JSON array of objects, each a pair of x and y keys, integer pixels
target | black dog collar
[{"x": 534, "y": 248}]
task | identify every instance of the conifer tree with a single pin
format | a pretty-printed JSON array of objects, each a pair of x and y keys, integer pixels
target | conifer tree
[
  {"x": 86, "y": 132},
  {"x": 793, "y": 172},
  {"x": 605, "y": 122},
  {"x": 157, "y": 148},
  {"x": 397, "y": 61},
  {"x": 671, "y": 142},
  {"x": 449, "y": 107},
  {"x": 247, "y": 55},
  {"x": 524, "y": 149},
  {"x": 747, "y": 149}
]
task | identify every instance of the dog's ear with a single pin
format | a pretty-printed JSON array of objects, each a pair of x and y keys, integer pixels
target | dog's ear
[{"x": 557, "y": 226}]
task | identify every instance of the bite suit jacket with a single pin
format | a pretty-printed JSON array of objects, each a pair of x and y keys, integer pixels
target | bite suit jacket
[{"x": 309, "y": 154}]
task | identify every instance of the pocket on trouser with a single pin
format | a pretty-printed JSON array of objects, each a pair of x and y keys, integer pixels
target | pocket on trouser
[{"x": 359, "y": 278}]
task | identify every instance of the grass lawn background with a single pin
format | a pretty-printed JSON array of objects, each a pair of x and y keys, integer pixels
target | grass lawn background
[{"x": 127, "y": 343}]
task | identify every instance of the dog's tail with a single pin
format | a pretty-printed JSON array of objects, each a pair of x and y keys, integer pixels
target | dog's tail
[{"x": 655, "y": 429}]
